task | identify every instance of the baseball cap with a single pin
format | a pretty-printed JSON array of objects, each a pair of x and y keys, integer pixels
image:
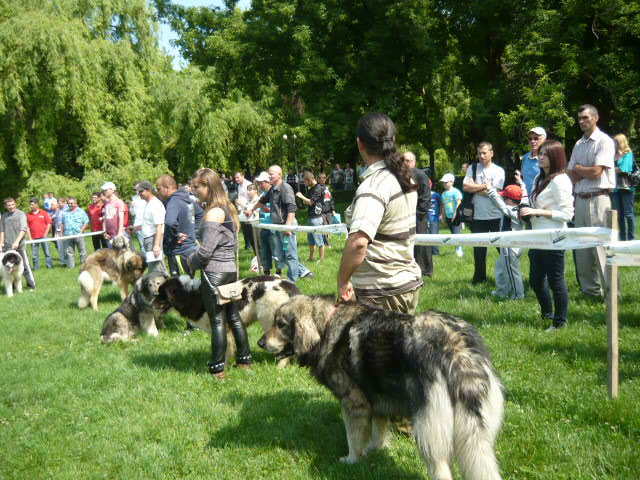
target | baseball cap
[
  {"x": 262, "y": 177},
  {"x": 448, "y": 177},
  {"x": 538, "y": 131},
  {"x": 107, "y": 186},
  {"x": 512, "y": 192},
  {"x": 144, "y": 185}
]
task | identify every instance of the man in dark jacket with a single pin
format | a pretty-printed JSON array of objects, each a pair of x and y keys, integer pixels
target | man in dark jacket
[
  {"x": 422, "y": 254},
  {"x": 179, "y": 224}
]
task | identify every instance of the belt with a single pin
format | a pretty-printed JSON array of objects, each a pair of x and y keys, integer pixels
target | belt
[{"x": 592, "y": 194}]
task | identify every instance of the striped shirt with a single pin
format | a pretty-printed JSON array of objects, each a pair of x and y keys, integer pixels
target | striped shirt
[
  {"x": 598, "y": 149},
  {"x": 388, "y": 217}
]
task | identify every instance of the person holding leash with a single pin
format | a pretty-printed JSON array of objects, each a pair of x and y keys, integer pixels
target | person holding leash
[
  {"x": 378, "y": 267},
  {"x": 216, "y": 257}
]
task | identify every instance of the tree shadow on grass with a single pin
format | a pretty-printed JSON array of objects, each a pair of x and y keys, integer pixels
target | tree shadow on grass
[{"x": 304, "y": 423}]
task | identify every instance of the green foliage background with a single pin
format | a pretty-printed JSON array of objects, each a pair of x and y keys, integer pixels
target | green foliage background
[{"x": 85, "y": 90}]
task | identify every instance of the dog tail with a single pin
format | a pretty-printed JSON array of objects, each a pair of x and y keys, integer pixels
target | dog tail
[
  {"x": 86, "y": 286},
  {"x": 477, "y": 420}
]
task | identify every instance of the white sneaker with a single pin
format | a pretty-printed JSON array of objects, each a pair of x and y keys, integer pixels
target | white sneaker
[{"x": 459, "y": 251}]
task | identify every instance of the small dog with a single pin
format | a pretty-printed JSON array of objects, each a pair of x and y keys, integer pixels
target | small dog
[
  {"x": 432, "y": 368},
  {"x": 138, "y": 312},
  {"x": 261, "y": 296},
  {"x": 117, "y": 264},
  {"x": 12, "y": 270}
]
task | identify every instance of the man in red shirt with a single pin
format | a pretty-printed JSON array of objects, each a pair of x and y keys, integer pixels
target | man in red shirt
[
  {"x": 113, "y": 219},
  {"x": 39, "y": 223},
  {"x": 94, "y": 210}
]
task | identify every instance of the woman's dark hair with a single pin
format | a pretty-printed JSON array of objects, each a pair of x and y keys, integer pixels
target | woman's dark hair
[
  {"x": 378, "y": 134},
  {"x": 554, "y": 151}
]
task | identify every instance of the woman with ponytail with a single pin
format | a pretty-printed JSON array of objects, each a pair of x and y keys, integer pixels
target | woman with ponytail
[
  {"x": 216, "y": 257},
  {"x": 551, "y": 207},
  {"x": 378, "y": 267}
]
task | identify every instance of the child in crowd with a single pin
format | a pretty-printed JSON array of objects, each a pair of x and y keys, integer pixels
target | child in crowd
[
  {"x": 451, "y": 199},
  {"x": 508, "y": 276}
]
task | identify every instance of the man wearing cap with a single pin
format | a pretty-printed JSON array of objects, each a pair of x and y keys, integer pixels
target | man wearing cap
[
  {"x": 114, "y": 211},
  {"x": 150, "y": 224},
  {"x": 486, "y": 215},
  {"x": 592, "y": 172},
  {"x": 39, "y": 223},
  {"x": 451, "y": 199},
  {"x": 530, "y": 167},
  {"x": 267, "y": 240},
  {"x": 74, "y": 222}
]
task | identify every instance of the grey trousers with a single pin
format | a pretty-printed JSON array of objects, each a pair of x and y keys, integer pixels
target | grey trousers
[
  {"x": 70, "y": 245},
  {"x": 590, "y": 262},
  {"x": 157, "y": 266}
]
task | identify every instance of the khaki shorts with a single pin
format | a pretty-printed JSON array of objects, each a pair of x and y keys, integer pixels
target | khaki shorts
[{"x": 403, "y": 303}]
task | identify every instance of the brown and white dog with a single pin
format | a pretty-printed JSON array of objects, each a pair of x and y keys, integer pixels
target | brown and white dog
[
  {"x": 12, "y": 269},
  {"x": 118, "y": 264},
  {"x": 261, "y": 297}
]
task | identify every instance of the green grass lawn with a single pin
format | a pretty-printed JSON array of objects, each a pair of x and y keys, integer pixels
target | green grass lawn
[{"x": 71, "y": 407}]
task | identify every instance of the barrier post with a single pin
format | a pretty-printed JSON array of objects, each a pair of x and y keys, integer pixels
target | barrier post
[{"x": 612, "y": 315}]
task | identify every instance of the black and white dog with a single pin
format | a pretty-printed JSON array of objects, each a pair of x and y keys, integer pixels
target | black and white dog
[
  {"x": 261, "y": 297},
  {"x": 12, "y": 269}
]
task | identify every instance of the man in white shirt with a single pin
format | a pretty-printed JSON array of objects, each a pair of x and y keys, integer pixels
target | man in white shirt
[
  {"x": 151, "y": 227},
  {"x": 592, "y": 172},
  {"x": 487, "y": 216},
  {"x": 136, "y": 207}
]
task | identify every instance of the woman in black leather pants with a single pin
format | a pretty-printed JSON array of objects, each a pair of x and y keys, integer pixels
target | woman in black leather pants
[{"x": 215, "y": 256}]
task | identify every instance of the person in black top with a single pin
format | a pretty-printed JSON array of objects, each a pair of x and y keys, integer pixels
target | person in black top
[
  {"x": 422, "y": 254},
  {"x": 316, "y": 203},
  {"x": 216, "y": 257}
]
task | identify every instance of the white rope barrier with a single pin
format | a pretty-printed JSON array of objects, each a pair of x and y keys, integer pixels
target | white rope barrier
[
  {"x": 335, "y": 228},
  {"x": 66, "y": 237},
  {"x": 631, "y": 247},
  {"x": 545, "y": 239}
]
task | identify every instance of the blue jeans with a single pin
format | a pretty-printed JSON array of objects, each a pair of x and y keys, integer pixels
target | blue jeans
[
  {"x": 287, "y": 250},
  {"x": 267, "y": 249},
  {"x": 623, "y": 203},
  {"x": 35, "y": 250},
  {"x": 434, "y": 228}
]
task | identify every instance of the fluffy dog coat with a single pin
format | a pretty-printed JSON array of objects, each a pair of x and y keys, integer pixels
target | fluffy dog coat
[
  {"x": 138, "y": 312},
  {"x": 118, "y": 264},
  {"x": 432, "y": 368},
  {"x": 12, "y": 270}
]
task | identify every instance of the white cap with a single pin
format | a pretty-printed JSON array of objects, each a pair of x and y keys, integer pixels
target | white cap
[
  {"x": 448, "y": 177},
  {"x": 538, "y": 131},
  {"x": 263, "y": 177},
  {"x": 107, "y": 186}
]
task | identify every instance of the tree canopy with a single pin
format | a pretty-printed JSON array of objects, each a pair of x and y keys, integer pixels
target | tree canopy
[{"x": 85, "y": 90}]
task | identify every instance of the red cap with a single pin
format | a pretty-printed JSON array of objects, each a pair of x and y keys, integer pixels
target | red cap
[{"x": 512, "y": 192}]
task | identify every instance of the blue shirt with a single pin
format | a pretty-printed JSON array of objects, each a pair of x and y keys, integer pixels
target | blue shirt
[
  {"x": 625, "y": 164},
  {"x": 450, "y": 200},
  {"x": 434, "y": 209},
  {"x": 74, "y": 220},
  {"x": 530, "y": 170}
]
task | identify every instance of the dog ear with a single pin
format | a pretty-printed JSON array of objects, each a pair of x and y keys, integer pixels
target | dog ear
[{"x": 305, "y": 333}]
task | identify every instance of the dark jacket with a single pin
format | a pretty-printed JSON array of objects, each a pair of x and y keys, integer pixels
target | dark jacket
[
  {"x": 424, "y": 192},
  {"x": 180, "y": 217}
]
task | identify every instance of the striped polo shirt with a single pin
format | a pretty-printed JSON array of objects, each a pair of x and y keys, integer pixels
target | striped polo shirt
[{"x": 388, "y": 217}]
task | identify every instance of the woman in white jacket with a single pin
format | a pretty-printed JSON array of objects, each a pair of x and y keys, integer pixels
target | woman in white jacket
[{"x": 551, "y": 207}]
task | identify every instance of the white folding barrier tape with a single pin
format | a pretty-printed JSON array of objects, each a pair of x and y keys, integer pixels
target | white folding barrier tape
[
  {"x": 336, "y": 228},
  {"x": 546, "y": 239},
  {"x": 616, "y": 247},
  {"x": 55, "y": 239}
]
